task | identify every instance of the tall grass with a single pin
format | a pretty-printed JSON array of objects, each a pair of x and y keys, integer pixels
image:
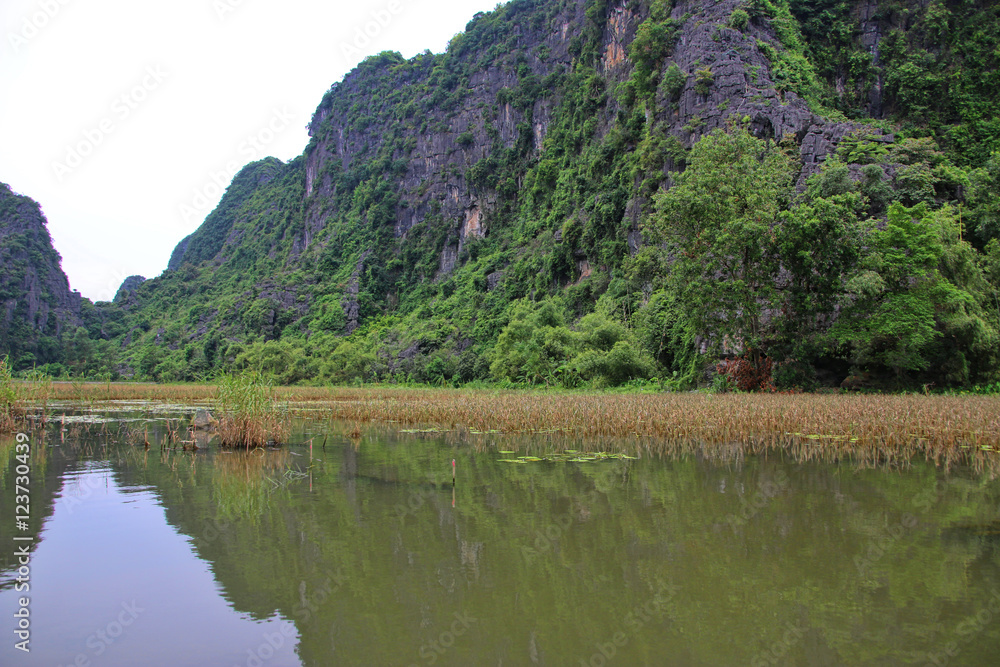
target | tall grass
[
  {"x": 876, "y": 428},
  {"x": 249, "y": 414},
  {"x": 867, "y": 428},
  {"x": 12, "y": 411},
  {"x": 131, "y": 391}
]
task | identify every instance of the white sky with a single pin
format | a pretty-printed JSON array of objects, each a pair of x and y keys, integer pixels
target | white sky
[{"x": 119, "y": 116}]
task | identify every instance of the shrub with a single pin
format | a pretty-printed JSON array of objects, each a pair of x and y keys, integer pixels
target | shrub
[
  {"x": 748, "y": 374},
  {"x": 739, "y": 20},
  {"x": 703, "y": 80}
]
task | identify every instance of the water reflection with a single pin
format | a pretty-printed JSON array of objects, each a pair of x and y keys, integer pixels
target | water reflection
[
  {"x": 113, "y": 583},
  {"x": 377, "y": 558}
]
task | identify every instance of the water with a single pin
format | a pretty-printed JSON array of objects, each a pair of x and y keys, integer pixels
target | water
[{"x": 365, "y": 554}]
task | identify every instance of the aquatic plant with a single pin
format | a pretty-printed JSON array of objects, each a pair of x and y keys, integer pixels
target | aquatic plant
[
  {"x": 11, "y": 399},
  {"x": 889, "y": 429},
  {"x": 250, "y": 415}
]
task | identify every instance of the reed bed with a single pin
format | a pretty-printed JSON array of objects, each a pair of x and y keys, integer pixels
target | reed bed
[
  {"x": 868, "y": 428},
  {"x": 132, "y": 391},
  {"x": 250, "y": 415},
  {"x": 16, "y": 396}
]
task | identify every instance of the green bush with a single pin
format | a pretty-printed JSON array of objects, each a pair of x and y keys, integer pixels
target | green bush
[{"x": 739, "y": 20}]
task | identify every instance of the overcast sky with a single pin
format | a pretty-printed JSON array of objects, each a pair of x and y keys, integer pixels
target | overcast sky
[{"x": 122, "y": 117}]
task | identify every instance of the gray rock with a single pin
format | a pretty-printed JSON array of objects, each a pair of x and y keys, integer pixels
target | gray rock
[{"x": 203, "y": 419}]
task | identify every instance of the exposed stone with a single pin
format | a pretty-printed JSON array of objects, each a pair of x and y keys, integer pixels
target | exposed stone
[
  {"x": 38, "y": 300},
  {"x": 203, "y": 419},
  {"x": 126, "y": 293}
]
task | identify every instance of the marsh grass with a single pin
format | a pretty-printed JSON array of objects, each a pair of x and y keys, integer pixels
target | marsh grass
[
  {"x": 868, "y": 429},
  {"x": 249, "y": 413},
  {"x": 16, "y": 396},
  {"x": 11, "y": 404}
]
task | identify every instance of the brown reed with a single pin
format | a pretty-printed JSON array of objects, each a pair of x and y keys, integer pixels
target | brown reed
[{"x": 867, "y": 428}]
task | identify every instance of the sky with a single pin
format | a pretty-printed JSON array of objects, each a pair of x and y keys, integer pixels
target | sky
[{"x": 126, "y": 119}]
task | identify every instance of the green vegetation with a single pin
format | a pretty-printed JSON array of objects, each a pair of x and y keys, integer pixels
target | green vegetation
[
  {"x": 11, "y": 409},
  {"x": 619, "y": 243},
  {"x": 762, "y": 269},
  {"x": 249, "y": 413},
  {"x": 940, "y": 62}
]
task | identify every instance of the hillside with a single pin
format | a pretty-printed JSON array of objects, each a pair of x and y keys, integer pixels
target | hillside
[
  {"x": 585, "y": 191},
  {"x": 39, "y": 310}
]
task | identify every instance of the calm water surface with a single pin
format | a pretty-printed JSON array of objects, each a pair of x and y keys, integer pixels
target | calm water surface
[{"x": 363, "y": 553}]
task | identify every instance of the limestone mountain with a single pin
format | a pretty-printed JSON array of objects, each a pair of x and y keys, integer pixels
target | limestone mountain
[
  {"x": 38, "y": 306},
  {"x": 498, "y": 211}
]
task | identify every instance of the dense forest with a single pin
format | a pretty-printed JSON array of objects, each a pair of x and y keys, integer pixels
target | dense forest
[{"x": 753, "y": 194}]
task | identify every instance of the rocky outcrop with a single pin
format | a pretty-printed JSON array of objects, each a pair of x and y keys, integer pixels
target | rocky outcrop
[
  {"x": 127, "y": 290},
  {"x": 445, "y": 145},
  {"x": 743, "y": 85},
  {"x": 36, "y": 301},
  {"x": 177, "y": 256}
]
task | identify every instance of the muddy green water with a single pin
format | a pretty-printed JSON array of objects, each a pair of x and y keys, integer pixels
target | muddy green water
[{"x": 364, "y": 554}]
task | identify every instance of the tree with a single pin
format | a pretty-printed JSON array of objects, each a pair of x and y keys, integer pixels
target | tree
[
  {"x": 719, "y": 222},
  {"x": 919, "y": 301},
  {"x": 819, "y": 243}
]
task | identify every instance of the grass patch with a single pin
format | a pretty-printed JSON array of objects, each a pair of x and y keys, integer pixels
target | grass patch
[
  {"x": 11, "y": 408},
  {"x": 249, "y": 414},
  {"x": 867, "y": 428},
  {"x": 17, "y": 395}
]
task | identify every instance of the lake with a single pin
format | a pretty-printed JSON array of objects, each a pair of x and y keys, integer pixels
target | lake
[{"x": 338, "y": 550}]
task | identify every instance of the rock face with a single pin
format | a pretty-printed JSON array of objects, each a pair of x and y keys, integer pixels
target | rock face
[
  {"x": 38, "y": 307},
  {"x": 177, "y": 256},
  {"x": 444, "y": 147},
  {"x": 217, "y": 234},
  {"x": 742, "y": 84},
  {"x": 128, "y": 288},
  {"x": 434, "y": 182},
  {"x": 417, "y": 168}
]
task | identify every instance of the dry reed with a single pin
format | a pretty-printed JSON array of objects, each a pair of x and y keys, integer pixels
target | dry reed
[{"x": 867, "y": 428}]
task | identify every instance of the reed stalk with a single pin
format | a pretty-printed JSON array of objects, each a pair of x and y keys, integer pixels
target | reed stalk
[{"x": 249, "y": 413}]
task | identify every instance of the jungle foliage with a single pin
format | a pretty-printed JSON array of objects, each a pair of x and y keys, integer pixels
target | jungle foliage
[{"x": 618, "y": 251}]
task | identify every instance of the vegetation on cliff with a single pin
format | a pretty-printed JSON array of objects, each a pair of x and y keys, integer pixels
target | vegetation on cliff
[{"x": 591, "y": 192}]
